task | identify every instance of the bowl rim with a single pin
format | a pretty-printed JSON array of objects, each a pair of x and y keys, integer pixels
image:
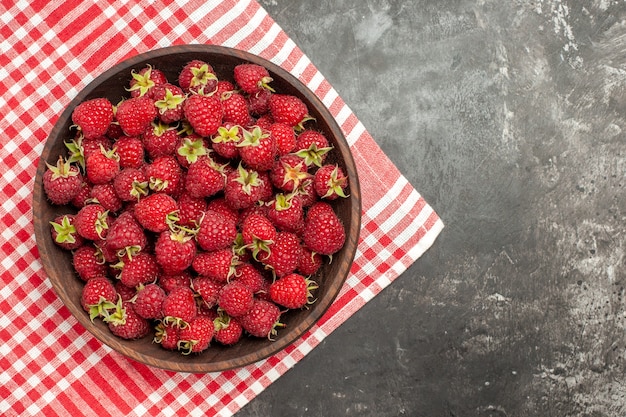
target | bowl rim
[{"x": 352, "y": 229}]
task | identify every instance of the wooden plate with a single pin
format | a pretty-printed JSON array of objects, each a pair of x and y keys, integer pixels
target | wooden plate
[{"x": 68, "y": 286}]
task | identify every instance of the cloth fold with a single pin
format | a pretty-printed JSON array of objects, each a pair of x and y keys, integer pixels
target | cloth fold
[{"x": 49, "y": 364}]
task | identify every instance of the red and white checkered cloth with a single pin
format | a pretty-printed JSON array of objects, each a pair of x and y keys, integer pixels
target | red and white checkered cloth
[{"x": 49, "y": 364}]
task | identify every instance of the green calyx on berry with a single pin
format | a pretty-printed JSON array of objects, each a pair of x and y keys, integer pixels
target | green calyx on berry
[
  {"x": 300, "y": 126},
  {"x": 201, "y": 76},
  {"x": 115, "y": 314},
  {"x": 186, "y": 346},
  {"x": 336, "y": 184},
  {"x": 76, "y": 152},
  {"x": 247, "y": 179},
  {"x": 169, "y": 102},
  {"x": 283, "y": 201},
  {"x": 101, "y": 224},
  {"x": 143, "y": 82},
  {"x": 264, "y": 83},
  {"x": 191, "y": 150},
  {"x": 101, "y": 309},
  {"x": 225, "y": 135},
  {"x": 62, "y": 169},
  {"x": 158, "y": 184},
  {"x": 252, "y": 138},
  {"x": 65, "y": 230},
  {"x": 239, "y": 247},
  {"x": 139, "y": 189},
  {"x": 310, "y": 286},
  {"x": 185, "y": 128},
  {"x": 295, "y": 173},
  {"x": 313, "y": 155},
  {"x": 175, "y": 321},
  {"x": 159, "y": 128}
]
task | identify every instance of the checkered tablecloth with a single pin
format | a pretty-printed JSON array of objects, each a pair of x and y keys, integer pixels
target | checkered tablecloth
[{"x": 49, "y": 364}]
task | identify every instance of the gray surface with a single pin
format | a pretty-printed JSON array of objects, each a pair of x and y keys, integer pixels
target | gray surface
[{"x": 508, "y": 117}]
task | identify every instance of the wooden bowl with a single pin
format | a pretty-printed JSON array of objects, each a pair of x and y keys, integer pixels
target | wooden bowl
[{"x": 57, "y": 262}]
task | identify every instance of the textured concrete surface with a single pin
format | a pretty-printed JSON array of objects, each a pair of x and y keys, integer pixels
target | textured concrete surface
[{"x": 509, "y": 117}]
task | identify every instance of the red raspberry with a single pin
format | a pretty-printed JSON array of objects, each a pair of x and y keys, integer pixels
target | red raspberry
[
  {"x": 262, "y": 319},
  {"x": 235, "y": 299},
  {"x": 135, "y": 115},
  {"x": 197, "y": 336},
  {"x": 156, "y": 211},
  {"x": 92, "y": 222},
  {"x": 149, "y": 301},
  {"x": 288, "y": 109},
  {"x": 179, "y": 306},
  {"x": 292, "y": 291},
  {"x": 216, "y": 231},
  {"x": 93, "y": 117},
  {"x": 62, "y": 182}
]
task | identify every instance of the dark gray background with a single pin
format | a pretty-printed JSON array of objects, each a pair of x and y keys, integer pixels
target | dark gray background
[{"x": 508, "y": 117}]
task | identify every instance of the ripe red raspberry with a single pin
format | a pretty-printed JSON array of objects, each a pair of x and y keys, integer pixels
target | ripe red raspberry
[
  {"x": 284, "y": 254},
  {"x": 135, "y": 115},
  {"x": 228, "y": 331},
  {"x": 167, "y": 335},
  {"x": 197, "y": 76},
  {"x": 289, "y": 172},
  {"x": 126, "y": 323},
  {"x": 160, "y": 140},
  {"x": 323, "y": 231},
  {"x": 218, "y": 265},
  {"x": 168, "y": 99},
  {"x": 235, "y": 107},
  {"x": 145, "y": 80},
  {"x": 288, "y": 109},
  {"x": 105, "y": 195},
  {"x": 62, "y": 182},
  {"x": 174, "y": 251},
  {"x": 262, "y": 319},
  {"x": 190, "y": 210},
  {"x": 102, "y": 166},
  {"x": 313, "y": 147},
  {"x": 179, "y": 307},
  {"x": 149, "y": 301},
  {"x": 87, "y": 264},
  {"x": 131, "y": 152},
  {"x": 310, "y": 262},
  {"x": 141, "y": 268},
  {"x": 252, "y": 78},
  {"x": 93, "y": 117},
  {"x": 170, "y": 281},
  {"x": 204, "y": 178},
  {"x": 126, "y": 235},
  {"x": 156, "y": 211},
  {"x": 98, "y": 296},
  {"x": 257, "y": 149},
  {"x": 92, "y": 222},
  {"x": 235, "y": 299},
  {"x": 197, "y": 336},
  {"x": 286, "y": 212},
  {"x": 130, "y": 184},
  {"x": 164, "y": 175},
  {"x": 216, "y": 231},
  {"x": 204, "y": 113},
  {"x": 292, "y": 291},
  {"x": 285, "y": 137},
  {"x": 243, "y": 188},
  {"x": 330, "y": 182},
  {"x": 208, "y": 290},
  {"x": 226, "y": 140}
]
